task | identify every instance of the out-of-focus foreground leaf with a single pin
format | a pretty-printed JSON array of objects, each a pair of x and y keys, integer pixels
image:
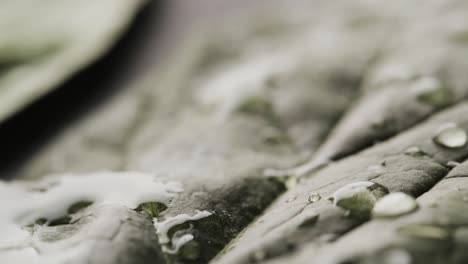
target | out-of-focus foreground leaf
[{"x": 45, "y": 42}]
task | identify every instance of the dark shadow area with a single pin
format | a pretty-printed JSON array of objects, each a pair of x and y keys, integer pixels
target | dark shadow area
[{"x": 24, "y": 133}]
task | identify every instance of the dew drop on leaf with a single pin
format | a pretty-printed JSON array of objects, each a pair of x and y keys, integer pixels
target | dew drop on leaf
[
  {"x": 450, "y": 136},
  {"x": 314, "y": 197},
  {"x": 359, "y": 197},
  {"x": 393, "y": 205}
]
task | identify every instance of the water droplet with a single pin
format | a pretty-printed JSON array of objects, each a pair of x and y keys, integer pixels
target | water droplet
[
  {"x": 179, "y": 241},
  {"x": 393, "y": 205},
  {"x": 452, "y": 164},
  {"x": 359, "y": 197},
  {"x": 163, "y": 227},
  {"x": 315, "y": 197},
  {"x": 425, "y": 231},
  {"x": 451, "y": 136},
  {"x": 429, "y": 90},
  {"x": 291, "y": 199},
  {"x": 414, "y": 152}
]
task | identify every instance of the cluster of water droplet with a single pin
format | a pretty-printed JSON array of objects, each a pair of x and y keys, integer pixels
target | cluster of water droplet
[
  {"x": 364, "y": 199},
  {"x": 359, "y": 198}
]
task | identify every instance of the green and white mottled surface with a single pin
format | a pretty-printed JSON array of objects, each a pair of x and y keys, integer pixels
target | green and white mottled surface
[{"x": 358, "y": 93}]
